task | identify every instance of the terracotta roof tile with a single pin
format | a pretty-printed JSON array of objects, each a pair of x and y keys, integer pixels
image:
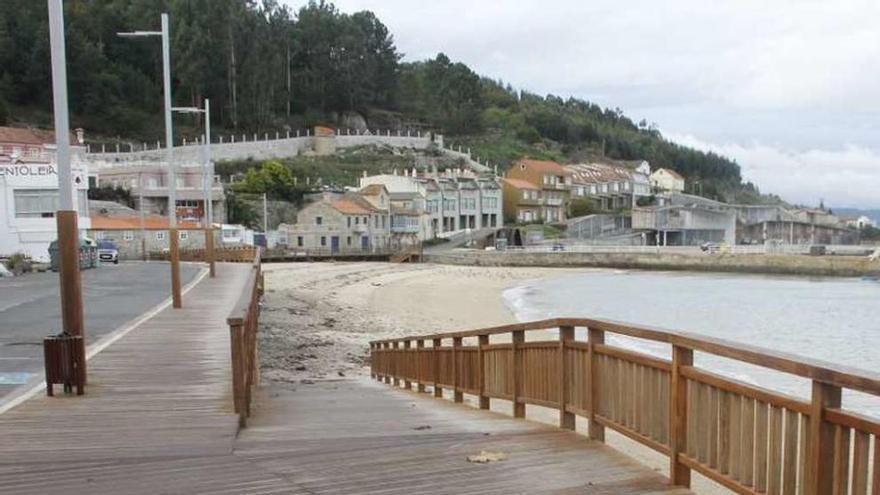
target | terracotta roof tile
[
  {"x": 29, "y": 136},
  {"x": 134, "y": 223},
  {"x": 349, "y": 207},
  {"x": 521, "y": 184}
]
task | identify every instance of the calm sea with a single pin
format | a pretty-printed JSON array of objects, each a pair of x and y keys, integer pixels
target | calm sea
[{"x": 830, "y": 319}]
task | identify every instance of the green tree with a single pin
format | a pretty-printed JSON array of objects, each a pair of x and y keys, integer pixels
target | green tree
[{"x": 272, "y": 178}]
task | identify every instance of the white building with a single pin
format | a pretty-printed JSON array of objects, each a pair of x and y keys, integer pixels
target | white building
[
  {"x": 613, "y": 184},
  {"x": 666, "y": 180},
  {"x": 447, "y": 202},
  {"x": 29, "y": 191},
  {"x": 28, "y": 202}
]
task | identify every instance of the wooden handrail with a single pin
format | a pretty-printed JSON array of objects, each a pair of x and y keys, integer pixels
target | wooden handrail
[
  {"x": 831, "y": 373},
  {"x": 243, "y": 323},
  {"x": 748, "y": 438}
]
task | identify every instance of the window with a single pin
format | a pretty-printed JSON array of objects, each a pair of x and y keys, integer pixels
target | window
[
  {"x": 152, "y": 183},
  {"x": 183, "y": 235},
  {"x": 128, "y": 235},
  {"x": 100, "y": 235},
  {"x": 299, "y": 241},
  {"x": 348, "y": 240},
  {"x": 323, "y": 241},
  {"x": 42, "y": 203},
  {"x": 366, "y": 220},
  {"x": 349, "y": 221},
  {"x": 160, "y": 236},
  {"x": 357, "y": 220},
  {"x": 383, "y": 221},
  {"x": 319, "y": 220},
  {"x": 376, "y": 221}
]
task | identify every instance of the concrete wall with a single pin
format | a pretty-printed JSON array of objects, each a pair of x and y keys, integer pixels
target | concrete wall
[
  {"x": 262, "y": 148},
  {"x": 844, "y": 266},
  {"x": 156, "y": 241}
]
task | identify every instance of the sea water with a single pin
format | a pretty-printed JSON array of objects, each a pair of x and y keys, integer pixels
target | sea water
[{"x": 836, "y": 320}]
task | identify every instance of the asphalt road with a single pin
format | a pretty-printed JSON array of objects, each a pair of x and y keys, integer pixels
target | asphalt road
[{"x": 112, "y": 296}]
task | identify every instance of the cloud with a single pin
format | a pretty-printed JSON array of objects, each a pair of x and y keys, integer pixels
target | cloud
[
  {"x": 800, "y": 77},
  {"x": 849, "y": 177}
]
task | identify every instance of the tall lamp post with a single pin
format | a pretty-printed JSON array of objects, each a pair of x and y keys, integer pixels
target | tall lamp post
[
  {"x": 207, "y": 182},
  {"x": 174, "y": 240},
  {"x": 66, "y": 216}
]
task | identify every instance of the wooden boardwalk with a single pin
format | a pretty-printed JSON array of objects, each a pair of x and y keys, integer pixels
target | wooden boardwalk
[{"x": 157, "y": 418}]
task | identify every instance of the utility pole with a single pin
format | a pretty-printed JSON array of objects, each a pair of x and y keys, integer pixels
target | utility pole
[
  {"x": 66, "y": 216},
  {"x": 141, "y": 214},
  {"x": 265, "y": 215}
]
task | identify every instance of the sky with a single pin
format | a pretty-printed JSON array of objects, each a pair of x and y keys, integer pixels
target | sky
[{"x": 789, "y": 89}]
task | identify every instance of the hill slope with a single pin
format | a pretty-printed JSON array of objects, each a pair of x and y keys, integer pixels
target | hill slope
[{"x": 266, "y": 68}]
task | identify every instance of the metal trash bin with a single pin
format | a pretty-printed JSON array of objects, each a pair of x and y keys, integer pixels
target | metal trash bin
[
  {"x": 64, "y": 359},
  {"x": 88, "y": 255}
]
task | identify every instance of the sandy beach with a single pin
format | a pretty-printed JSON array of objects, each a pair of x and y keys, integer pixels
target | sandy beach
[{"x": 318, "y": 319}]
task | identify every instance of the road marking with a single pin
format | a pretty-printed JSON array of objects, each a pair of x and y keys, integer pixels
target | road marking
[{"x": 39, "y": 383}]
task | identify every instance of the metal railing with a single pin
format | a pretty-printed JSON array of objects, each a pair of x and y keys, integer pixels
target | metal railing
[
  {"x": 243, "y": 324},
  {"x": 747, "y": 438}
]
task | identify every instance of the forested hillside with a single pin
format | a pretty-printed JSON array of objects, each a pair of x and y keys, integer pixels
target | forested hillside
[{"x": 266, "y": 68}]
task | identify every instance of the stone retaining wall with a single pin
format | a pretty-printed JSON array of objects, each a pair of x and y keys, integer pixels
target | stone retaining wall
[{"x": 838, "y": 266}]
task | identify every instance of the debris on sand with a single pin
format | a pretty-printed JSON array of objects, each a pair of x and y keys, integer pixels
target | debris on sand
[{"x": 486, "y": 456}]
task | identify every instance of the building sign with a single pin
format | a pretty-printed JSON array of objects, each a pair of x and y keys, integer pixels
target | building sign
[{"x": 27, "y": 170}]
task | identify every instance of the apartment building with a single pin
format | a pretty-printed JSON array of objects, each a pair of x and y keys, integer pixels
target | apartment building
[
  {"x": 446, "y": 202},
  {"x": 612, "y": 184},
  {"x": 553, "y": 181}
]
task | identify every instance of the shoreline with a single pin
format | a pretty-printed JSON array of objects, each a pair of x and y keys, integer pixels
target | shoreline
[
  {"x": 796, "y": 265},
  {"x": 318, "y": 319}
]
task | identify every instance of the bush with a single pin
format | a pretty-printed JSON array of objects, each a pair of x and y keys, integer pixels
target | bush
[{"x": 19, "y": 263}]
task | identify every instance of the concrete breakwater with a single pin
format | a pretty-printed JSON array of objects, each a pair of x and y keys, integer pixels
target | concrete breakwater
[{"x": 834, "y": 266}]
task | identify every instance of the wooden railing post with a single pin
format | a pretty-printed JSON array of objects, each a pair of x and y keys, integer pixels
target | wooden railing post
[
  {"x": 484, "y": 399},
  {"x": 388, "y": 362},
  {"x": 372, "y": 360},
  {"x": 679, "y": 474},
  {"x": 420, "y": 346},
  {"x": 407, "y": 384},
  {"x": 566, "y": 419},
  {"x": 820, "y": 465},
  {"x": 456, "y": 357},
  {"x": 435, "y": 360},
  {"x": 395, "y": 370},
  {"x": 519, "y": 409},
  {"x": 596, "y": 430},
  {"x": 238, "y": 384}
]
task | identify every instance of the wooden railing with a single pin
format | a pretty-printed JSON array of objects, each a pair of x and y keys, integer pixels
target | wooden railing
[
  {"x": 243, "y": 324},
  {"x": 747, "y": 438}
]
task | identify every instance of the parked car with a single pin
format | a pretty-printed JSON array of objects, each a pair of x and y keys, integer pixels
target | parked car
[
  {"x": 710, "y": 247},
  {"x": 108, "y": 252}
]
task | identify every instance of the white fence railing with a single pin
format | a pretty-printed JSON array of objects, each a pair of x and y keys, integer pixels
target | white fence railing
[{"x": 769, "y": 249}]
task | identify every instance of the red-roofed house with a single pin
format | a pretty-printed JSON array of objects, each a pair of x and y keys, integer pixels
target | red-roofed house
[
  {"x": 339, "y": 223},
  {"x": 550, "y": 202}
]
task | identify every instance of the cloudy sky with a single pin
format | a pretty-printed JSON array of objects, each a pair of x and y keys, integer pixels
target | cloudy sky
[{"x": 790, "y": 89}]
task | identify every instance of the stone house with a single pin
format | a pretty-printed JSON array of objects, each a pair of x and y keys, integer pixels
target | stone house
[{"x": 340, "y": 223}]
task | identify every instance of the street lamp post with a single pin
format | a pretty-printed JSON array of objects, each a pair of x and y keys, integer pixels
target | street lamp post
[
  {"x": 174, "y": 240},
  {"x": 207, "y": 181},
  {"x": 66, "y": 216}
]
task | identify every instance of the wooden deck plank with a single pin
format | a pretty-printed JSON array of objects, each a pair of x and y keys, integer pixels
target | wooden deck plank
[
  {"x": 357, "y": 436},
  {"x": 157, "y": 419}
]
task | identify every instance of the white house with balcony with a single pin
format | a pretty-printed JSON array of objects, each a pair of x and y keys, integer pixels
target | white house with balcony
[{"x": 667, "y": 180}]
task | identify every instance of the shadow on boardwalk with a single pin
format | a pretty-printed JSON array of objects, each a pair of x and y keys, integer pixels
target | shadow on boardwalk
[{"x": 157, "y": 419}]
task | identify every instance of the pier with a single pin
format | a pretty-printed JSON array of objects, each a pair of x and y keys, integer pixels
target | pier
[{"x": 175, "y": 405}]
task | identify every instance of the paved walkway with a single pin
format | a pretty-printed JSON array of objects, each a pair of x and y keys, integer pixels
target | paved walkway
[{"x": 156, "y": 420}]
